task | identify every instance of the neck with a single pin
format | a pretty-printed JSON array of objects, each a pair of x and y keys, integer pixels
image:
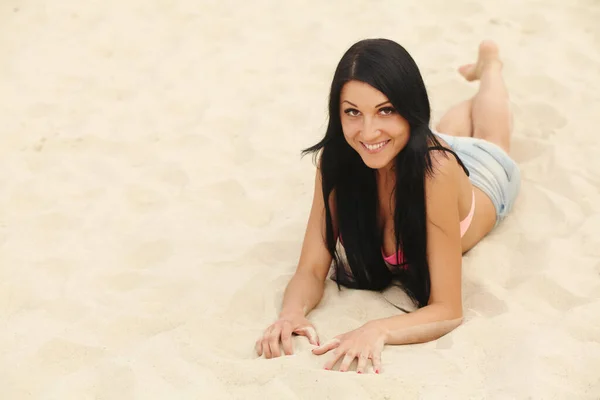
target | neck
[{"x": 386, "y": 175}]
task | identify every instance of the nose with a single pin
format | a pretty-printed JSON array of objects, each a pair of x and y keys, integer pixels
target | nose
[{"x": 370, "y": 130}]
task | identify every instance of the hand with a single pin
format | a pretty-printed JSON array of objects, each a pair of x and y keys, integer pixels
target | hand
[
  {"x": 364, "y": 343},
  {"x": 282, "y": 329}
]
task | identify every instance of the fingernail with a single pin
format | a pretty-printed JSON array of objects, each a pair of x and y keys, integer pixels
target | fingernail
[{"x": 376, "y": 371}]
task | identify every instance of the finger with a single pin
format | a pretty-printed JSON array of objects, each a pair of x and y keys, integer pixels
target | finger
[
  {"x": 376, "y": 362},
  {"x": 310, "y": 333},
  {"x": 362, "y": 363},
  {"x": 337, "y": 354},
  {"x": 265, "y": 343},
  {"x": 258, "y": 347},
  {"x": 274, "y": 337},
  {"x": 265, "y": 347},
  {"x": 350, "y": 356},
  {"x": 327, "y": 346},
  {"x": 286, "y": 339}
]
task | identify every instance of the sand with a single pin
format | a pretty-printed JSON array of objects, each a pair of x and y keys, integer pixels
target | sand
[{"x": 153, "y": 200}]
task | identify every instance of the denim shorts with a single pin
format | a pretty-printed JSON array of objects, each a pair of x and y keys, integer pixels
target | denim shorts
[{"x": 491, "y": 170}]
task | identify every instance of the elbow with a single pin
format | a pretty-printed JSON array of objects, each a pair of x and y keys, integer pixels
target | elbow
[
  {"x": 455, "y": 315},
  {"x": 450, "y": 319},
  {"x": 453, "y": 319},
  {"x": 449, "y": 312},
  {"x": 446, "y": 326}
]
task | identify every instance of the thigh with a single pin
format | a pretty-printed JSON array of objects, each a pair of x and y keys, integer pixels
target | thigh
[
  {"x": 457, "y": 120},
  {"x": 495, "y": 125}
]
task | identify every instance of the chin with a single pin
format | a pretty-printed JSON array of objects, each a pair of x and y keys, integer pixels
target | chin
[{"x": 376, "y": 164}]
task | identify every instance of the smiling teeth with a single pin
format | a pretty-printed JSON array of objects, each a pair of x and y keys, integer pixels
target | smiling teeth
[{"x": 375, "y": 146}]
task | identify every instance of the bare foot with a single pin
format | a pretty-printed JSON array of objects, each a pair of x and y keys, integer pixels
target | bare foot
[{"x": 488, "y": 55}]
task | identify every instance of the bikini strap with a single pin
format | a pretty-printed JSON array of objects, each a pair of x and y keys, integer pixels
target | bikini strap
[{"x": 454, "y": 154}]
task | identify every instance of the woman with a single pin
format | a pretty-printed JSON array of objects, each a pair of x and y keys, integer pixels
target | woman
[{"x": 404, "y": 202}]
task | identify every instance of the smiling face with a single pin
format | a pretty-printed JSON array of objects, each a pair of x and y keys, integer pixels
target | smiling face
[{"x": 371, "y": 125}]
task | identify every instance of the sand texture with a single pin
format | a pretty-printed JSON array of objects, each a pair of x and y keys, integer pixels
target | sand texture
[{"x": 153, "y": 200}]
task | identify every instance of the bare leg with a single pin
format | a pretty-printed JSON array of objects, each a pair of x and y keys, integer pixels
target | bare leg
[
  {"x": 487, "y": 115},
  {"x": 490, "y": 111},
  {"x": 457, "y": 120}
]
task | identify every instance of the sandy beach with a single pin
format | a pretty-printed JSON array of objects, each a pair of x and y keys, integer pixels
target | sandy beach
[{"x": 153, "y": 200}]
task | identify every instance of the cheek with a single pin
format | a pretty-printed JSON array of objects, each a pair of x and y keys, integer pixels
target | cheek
[
  {"x": 350, "y": 128},
  {"x": 397, "y": 128}
]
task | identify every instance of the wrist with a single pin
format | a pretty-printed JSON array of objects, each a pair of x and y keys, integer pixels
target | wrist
[
  {"x": 292, "y": 312},
  {"x": 380, "y": 326}
]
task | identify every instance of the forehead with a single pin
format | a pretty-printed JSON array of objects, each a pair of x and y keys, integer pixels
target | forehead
[{"x": 362, "y": 94}]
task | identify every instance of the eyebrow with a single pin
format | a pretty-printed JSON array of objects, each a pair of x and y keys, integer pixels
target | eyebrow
[{"x": 378, "y": 105}]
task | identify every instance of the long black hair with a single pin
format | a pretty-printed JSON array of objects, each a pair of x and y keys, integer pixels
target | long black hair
[{"x": 388, "y": 67}]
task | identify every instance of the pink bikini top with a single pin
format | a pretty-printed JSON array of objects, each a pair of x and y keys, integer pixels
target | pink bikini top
[{"x": 464, "y": 225}]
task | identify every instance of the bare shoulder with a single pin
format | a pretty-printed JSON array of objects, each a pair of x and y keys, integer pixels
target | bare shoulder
[
  {"x": 445, "y": 169},
  {"x": 332, "y": 195},
  {"x": 443, "y": 189},
  {"x": 315, "y": 257}
]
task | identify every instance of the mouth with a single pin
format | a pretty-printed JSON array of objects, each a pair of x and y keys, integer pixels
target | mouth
[{"x": 376, "y": 147}]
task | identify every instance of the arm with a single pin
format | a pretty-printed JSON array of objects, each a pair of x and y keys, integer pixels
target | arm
[
  {"x": 305, "y": 289},
  {"x": 302, "y": 294},
  {"x": 444, "y": 311},
  {"x": 424, "y": 325}
]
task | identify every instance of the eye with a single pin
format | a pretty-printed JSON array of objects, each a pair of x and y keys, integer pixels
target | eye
[
  {"x": 351, "y": 112},
  {"x": 387, "y": 110}
]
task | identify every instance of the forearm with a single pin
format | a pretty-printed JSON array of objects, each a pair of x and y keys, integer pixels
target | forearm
[
  {"x": 302, "y": 294},
  {"x": 428, "y": 323}
]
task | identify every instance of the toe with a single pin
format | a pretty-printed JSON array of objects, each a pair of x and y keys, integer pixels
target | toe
[{"x": 467, "y": 70}]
